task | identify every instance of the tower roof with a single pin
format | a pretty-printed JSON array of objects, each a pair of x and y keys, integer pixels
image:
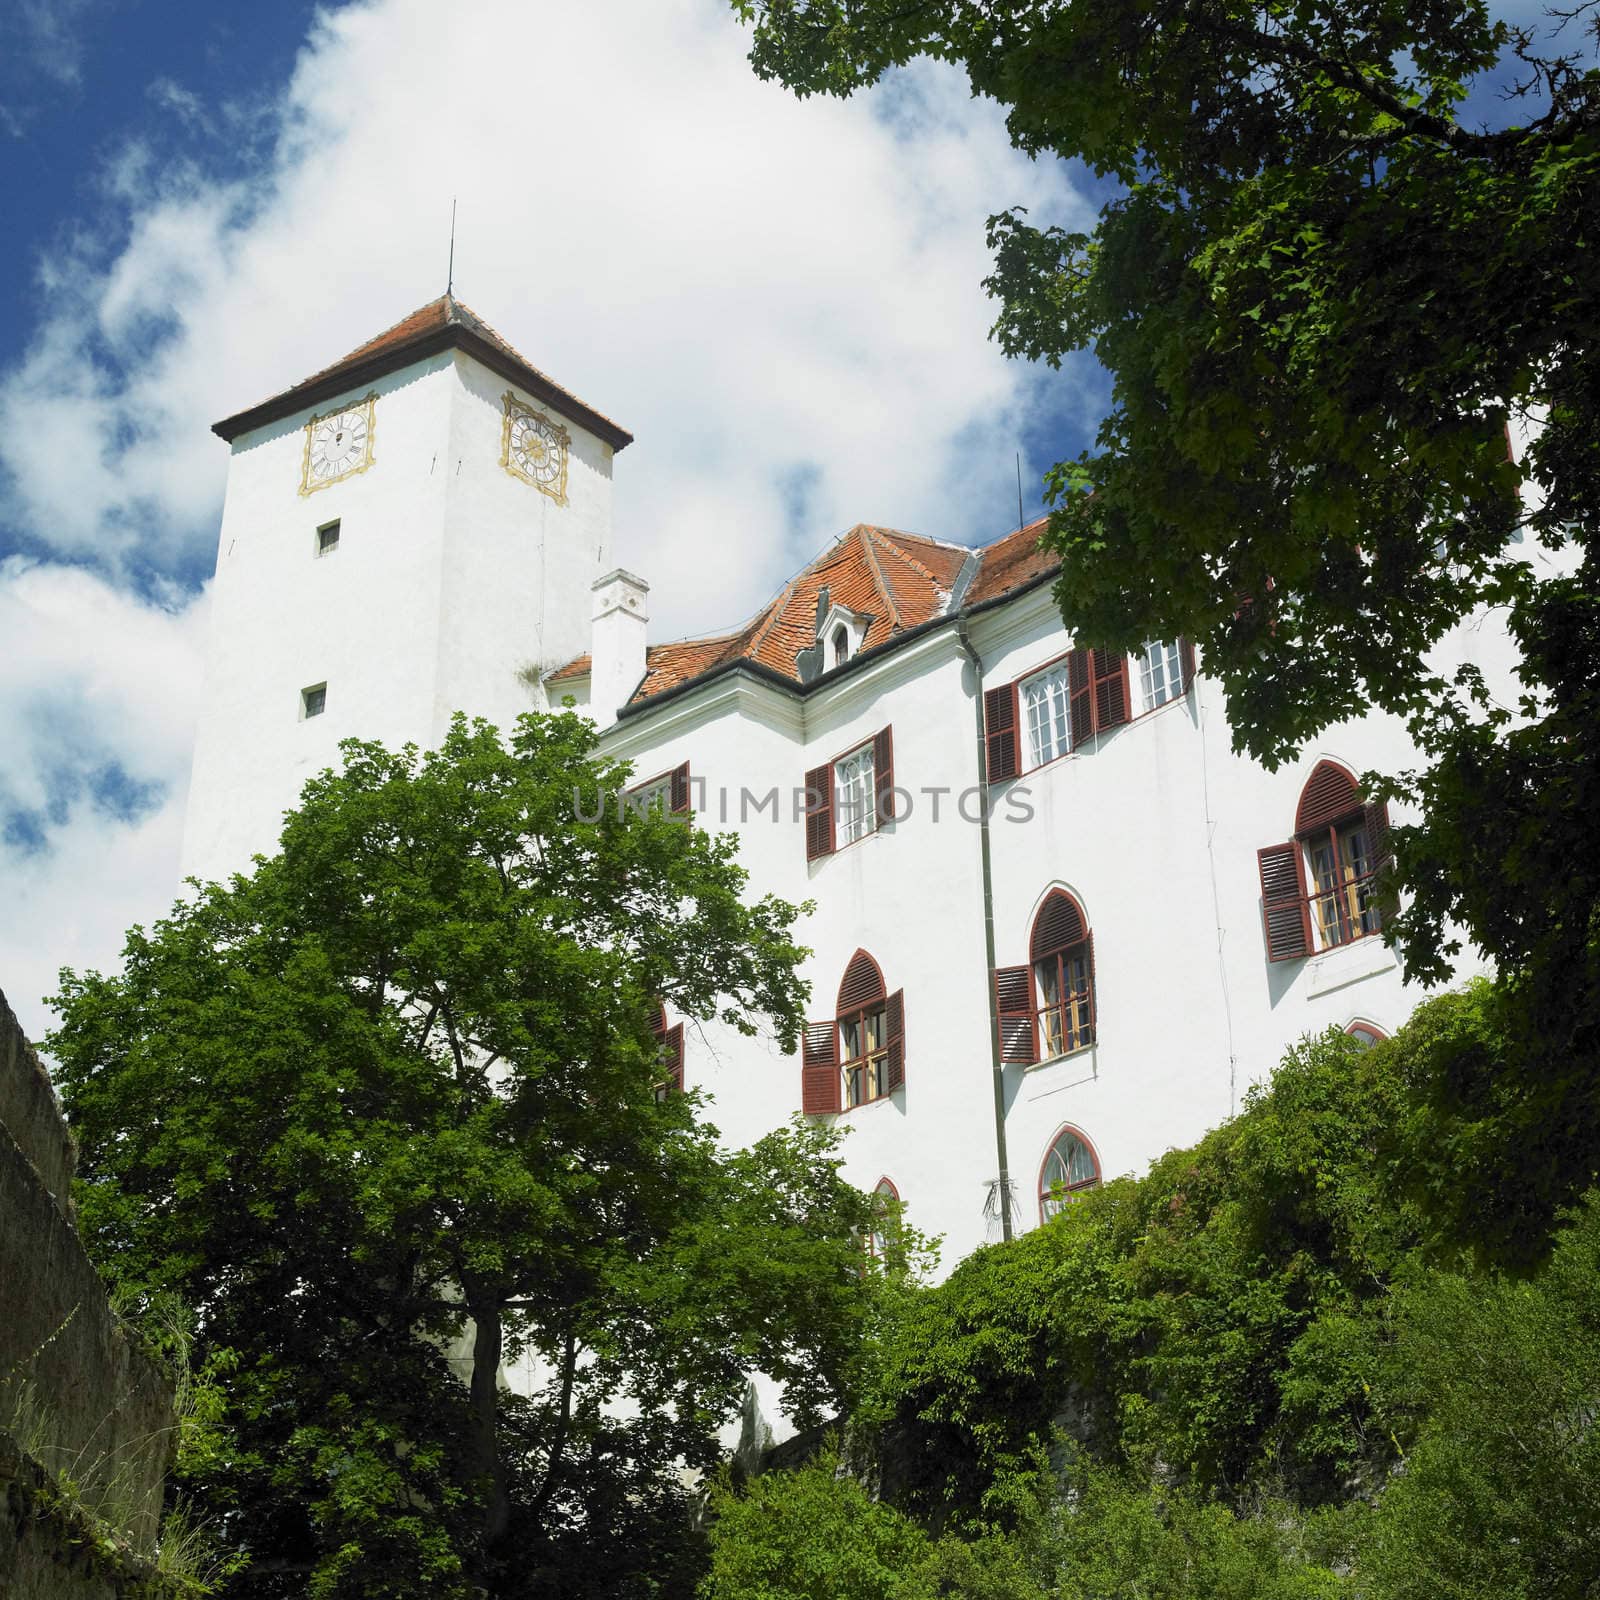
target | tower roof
[
  {"x": 899, "y": 582},
  {"x": 442, "y": 324}
]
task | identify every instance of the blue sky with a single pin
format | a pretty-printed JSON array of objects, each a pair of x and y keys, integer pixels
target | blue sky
[{"x": 205, "y": 203}]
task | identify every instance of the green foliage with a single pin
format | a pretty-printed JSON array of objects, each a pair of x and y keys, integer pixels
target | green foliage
[
  {"x": 1499, "y": 1382},
  {"x": 384, "y": 1112},
  {"x": 812, "y": 1534},
  {"x": 815, "y": 1534},
  {"x": 1219, "y": 1318}
]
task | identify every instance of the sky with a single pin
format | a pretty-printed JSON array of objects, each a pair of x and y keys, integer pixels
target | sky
[{"x": 203, "y": 204}]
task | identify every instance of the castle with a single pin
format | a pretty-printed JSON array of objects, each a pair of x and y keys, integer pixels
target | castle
[{"x": 1060, "y": 927}]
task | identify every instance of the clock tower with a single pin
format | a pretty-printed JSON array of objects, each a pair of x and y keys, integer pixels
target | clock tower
[{"x": 413, "y": 531}]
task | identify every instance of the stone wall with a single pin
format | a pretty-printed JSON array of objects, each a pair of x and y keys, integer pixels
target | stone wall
[{"x": 86, "y": 1422}]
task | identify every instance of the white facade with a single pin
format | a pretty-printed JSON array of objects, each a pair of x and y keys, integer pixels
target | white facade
[
  {"x": 457, "y": 585},
  {"x": 1152, "y": 826}
]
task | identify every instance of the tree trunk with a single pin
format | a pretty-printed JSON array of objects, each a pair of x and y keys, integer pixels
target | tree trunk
[{"x": 487, "y": 1340}]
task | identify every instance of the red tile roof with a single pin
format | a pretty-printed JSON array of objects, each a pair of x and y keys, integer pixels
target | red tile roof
[
  {"x": 898, "y": 581},
  {"x": 442, "y": 324}
]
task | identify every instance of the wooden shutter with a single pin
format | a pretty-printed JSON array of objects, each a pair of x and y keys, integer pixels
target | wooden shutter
[
  {"x": 1186, "y": 661},
  {"x": 1080, "y": 686},
  {"x": 1019, "y": 1029},
  {"x": 1380, "y": 847},
  {"x": 1380, "y": 843},
  {"x": 672, "y": 1055},
  {"x": 894, "y": 1028},
  {"x": 1285, "y": 912},
  {"x": 1000, "y": 733},
  {"x": 883, "y": 774},
  {"x": 820, "y": 1087},
  {"x": 1330, "y": 795},
  {"x": 1094, "y": 989},
  {"x": 819, "y": 812},
  {"x": 1110, "y": 689},
  {"x": 678, "y": 798}
]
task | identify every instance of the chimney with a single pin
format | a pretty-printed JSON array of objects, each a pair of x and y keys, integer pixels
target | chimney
[{"x": 617, "y": 643}]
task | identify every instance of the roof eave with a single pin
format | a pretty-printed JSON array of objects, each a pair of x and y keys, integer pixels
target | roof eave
[
  {"x": 451, "y": 336},
  {"x": 770, "y": 675}
]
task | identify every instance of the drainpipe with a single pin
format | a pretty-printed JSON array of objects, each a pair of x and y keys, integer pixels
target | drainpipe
[{"x": 997, "y": 1065}]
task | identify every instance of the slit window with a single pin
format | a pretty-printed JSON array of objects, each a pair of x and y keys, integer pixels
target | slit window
[
  {"x": 314, "y": 701},
  {"x": 328, "y": 538}
]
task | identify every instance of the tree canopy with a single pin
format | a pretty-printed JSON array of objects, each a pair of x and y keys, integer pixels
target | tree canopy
[{"x": 389, "y": 1114}]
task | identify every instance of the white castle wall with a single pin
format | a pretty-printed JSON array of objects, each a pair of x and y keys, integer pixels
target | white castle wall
[{"x": 1154, "y": 827}]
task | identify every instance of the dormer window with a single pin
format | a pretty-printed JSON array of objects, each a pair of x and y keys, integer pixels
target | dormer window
[{"x": 840, "y": 635}]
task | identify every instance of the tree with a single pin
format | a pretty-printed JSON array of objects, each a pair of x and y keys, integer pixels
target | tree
[
  {"x": 386, "y": 1113},
  {"x": 1322, "y": 293}
]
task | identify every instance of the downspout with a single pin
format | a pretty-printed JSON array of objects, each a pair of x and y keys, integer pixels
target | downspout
[{"x": 996, "y": 1064}]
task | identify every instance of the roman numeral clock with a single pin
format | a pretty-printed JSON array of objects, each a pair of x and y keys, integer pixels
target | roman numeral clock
[
  {"x": 534, "y": 447},
  {"x": 338, "y": 445}
]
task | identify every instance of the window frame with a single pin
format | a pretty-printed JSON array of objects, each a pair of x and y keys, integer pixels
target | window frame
[
  {"x": 674, "y": 785},
  {"x": 822, "y": 811},
  {"x": 868, "y": 815},
  {"x": 319, "y": 689},
  {"x": 878, "y": 1243},
  {"x": 1011, "y": 693},
  {"x": 825, "y": 1069},
  {"x": 326, "y": 546},
  {"x": 1044, "y": 1190},
  {"x": 1178, "y": 655},
  {"x": 1025, "y": 1028}
]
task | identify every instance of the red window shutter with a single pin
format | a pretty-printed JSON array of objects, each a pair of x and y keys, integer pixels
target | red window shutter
[
  {"x": 1329, "y": 796},
  {"x": 1110, "y": 689},
  {"x": 1380, "y": 843},
  {"x": 1000, "y": 721},
  {"x": 819, "y": 812},
  {"x": 1285, "y": 910},
  {"x": 679, "y": 797},
  {"x": 820, "y": 1087},
  {"x": 883, "y": 774},
  {"x": 1080, "y": 686},
  {"x": 1186, "y": 661},
  {"x": 862, "y": 984},
  {"x": 894, "y": 1030},
  {"x": 672, "y": 1054},
  {"x": 1094, "y": 990},
  {"x": 1019, "y": 1031}
]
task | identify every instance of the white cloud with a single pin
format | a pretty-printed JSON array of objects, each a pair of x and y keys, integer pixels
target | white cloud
[
  {"x": 768, "y": 292},
  {"x": 96, "y": 722}
]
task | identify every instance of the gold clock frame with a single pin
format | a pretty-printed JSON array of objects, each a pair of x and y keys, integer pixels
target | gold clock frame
[
  {"x": 514, "y": 408},
  {"x": 370, "y": 401}
]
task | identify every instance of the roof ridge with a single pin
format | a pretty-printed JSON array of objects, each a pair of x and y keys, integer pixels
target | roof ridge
[
  {"x": 862, "y": 532},
  {"x": 882, "y": 535},
  {"x": 764, "y": 624}
]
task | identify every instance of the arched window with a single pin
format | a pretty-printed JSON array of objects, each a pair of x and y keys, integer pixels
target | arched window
[
  {"x": 1062, "y": 956},
  {"x": 671, "y": 1042},
  {"x": 1320, "y": 889},
  {"x": 1047, "y": 1008},
  {"x": 1070, "y": 1166},
  {"x": 1366, "y": 1034},
  {"x": 841, "y": 645},
  {"x": 885, "y": 1216},
  {"x": 858, "y": 1055}
]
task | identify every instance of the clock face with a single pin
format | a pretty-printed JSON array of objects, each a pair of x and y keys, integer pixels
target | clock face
[
  {"x": 338, "y": 445},
  {"x": 534, "y": 449}
]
